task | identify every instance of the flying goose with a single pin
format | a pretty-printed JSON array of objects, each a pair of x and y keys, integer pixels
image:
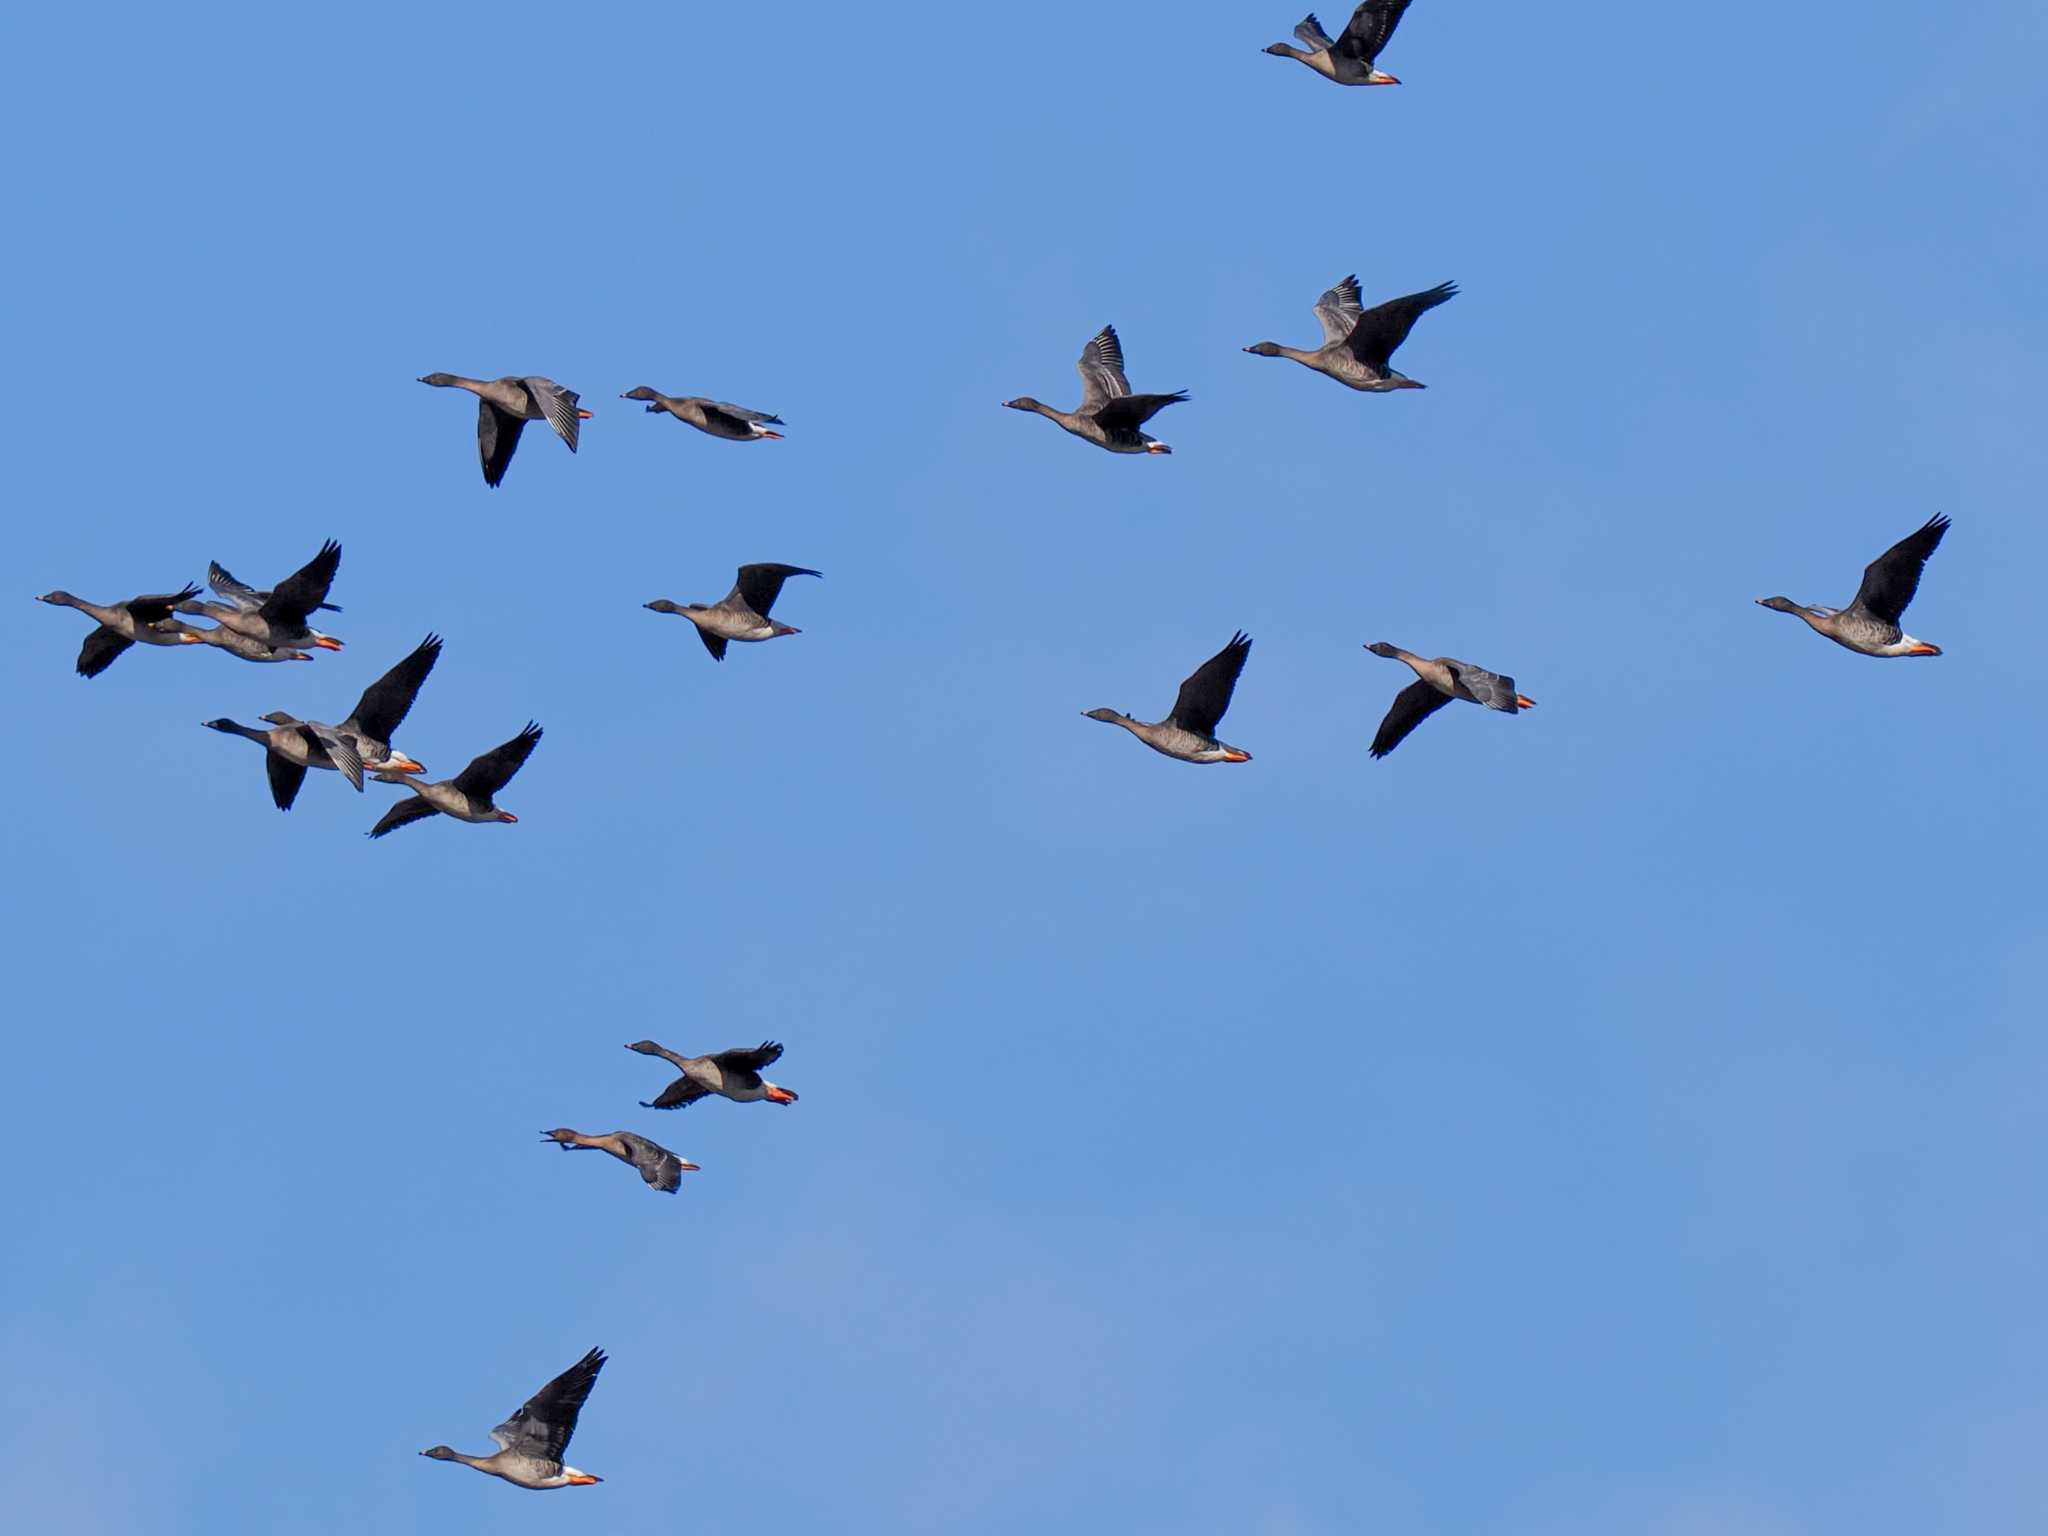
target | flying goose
[
  {"x": 1109, "y": 415},
  {"x": 290, "y": 748},
  {"x": 733, "y": 422},
  {"x": 505, "y": 406},
  {"x": 146, "y": 619},
  {"x": 1439, "y": 682},
  {"x": 734, "y": 1074},
  {"x": 1358, "y": 342},
  {"x": 467, "y": 796},
  {"x": 279, "y": 621},
  {"x": 367, "y": 731},
  {"x": 1350, "y": 59},
  {"x": 742, "y": 614},
  {"x": 1189, "y": 732},
  {"x": 661, "y": 1168},
  {"x": 532, "y": 1442},
  {"x": 1870, "y": 624}
]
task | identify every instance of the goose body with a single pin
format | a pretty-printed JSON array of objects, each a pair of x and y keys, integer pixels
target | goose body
[
  {"x": 237, "y": 644},
  {"x": 466, "y": 797},
  {"x": 1359, "y": 343},
  {"x": 1437, "y": 683},
  {"x": 144, "y": 620},
  {"x": 734, "y": 423},
  {"x": 1870, "y": 624},
  {"x": 1189, "y": 732},
  {"x": 532, "y": 1443},
  {"x": 1109, "y": 415},
  {"x": 505, "y": 406},
  {"x": 1352, "y": 58},
  {"x": 742, "y": 614},
  {"x": 661, "y": 1168},
  {"x": 733, "y": 1074}
]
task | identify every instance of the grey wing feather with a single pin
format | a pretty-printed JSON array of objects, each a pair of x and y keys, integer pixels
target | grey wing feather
[
  {"x": 238, "y": 595},
  {"x": 1489, "y": 688},
  {"x": 1102, "y": 370},
  {"x": 558, "y": 405},
  {"x": 741, "y": 413},
  {"x": 658, "y": 1166},
  {"x": 1339, "y": 309},
  {"x": 340, "y": 751},
  {"x": 1311, "y": 33}
]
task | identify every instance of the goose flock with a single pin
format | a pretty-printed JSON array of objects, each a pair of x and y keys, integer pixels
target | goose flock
[{"x": 276, "y": 624}]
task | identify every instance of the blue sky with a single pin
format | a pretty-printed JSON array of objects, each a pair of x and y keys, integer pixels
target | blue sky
[{"x": 1624, "y": 1117}]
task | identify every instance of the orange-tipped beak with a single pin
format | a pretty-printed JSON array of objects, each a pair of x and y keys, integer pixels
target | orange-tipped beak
[
  {"x": 1924, "y": 649},
  {"x": 1523, "y": 701},
  {"x": 781, "y": 1096},
  {"x": 583, "y": 415},
  {"x": 328, "y": 643}
]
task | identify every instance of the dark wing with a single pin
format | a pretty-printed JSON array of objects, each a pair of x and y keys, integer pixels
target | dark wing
[
  {"x": 1206, "y": 694},
  {"x": 490, "y": 773},
  {"x": 658, "y": 1166},
  {"x": 1412, "y": 705},
  {"x": 1384, "y": 327},
  {"x": 759, "y": 585},
  {"x": 546, "y": 1420},
  {"x": 1127, "y": 413},
  {"x": 684, "y": 1090},
  {"x": 1489, "y": 688},
  {"x": 557, "y": 404},
  {"x": 305, "y": 589},
  {"x": 99, "y": 651},
  {"x": 383, "y": 706},
  {"x": 1339, "y": 308},
  {"x": 749, "y": 1058},
  {"x": 409, "y": 810},
  {"x": 158, "y": 606},
  {"x": 1890, "y": 580},
  {"x": 1102, "y": 370},
  {"x": 285, "y": 778},
  {"x": 740, "y": 415},
  {"x": 715, "y": 644},
  {"x": 1311, "y": 33},
  {"x": 1370, "y": 27},
  {"x": 497, "y": 434}
]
